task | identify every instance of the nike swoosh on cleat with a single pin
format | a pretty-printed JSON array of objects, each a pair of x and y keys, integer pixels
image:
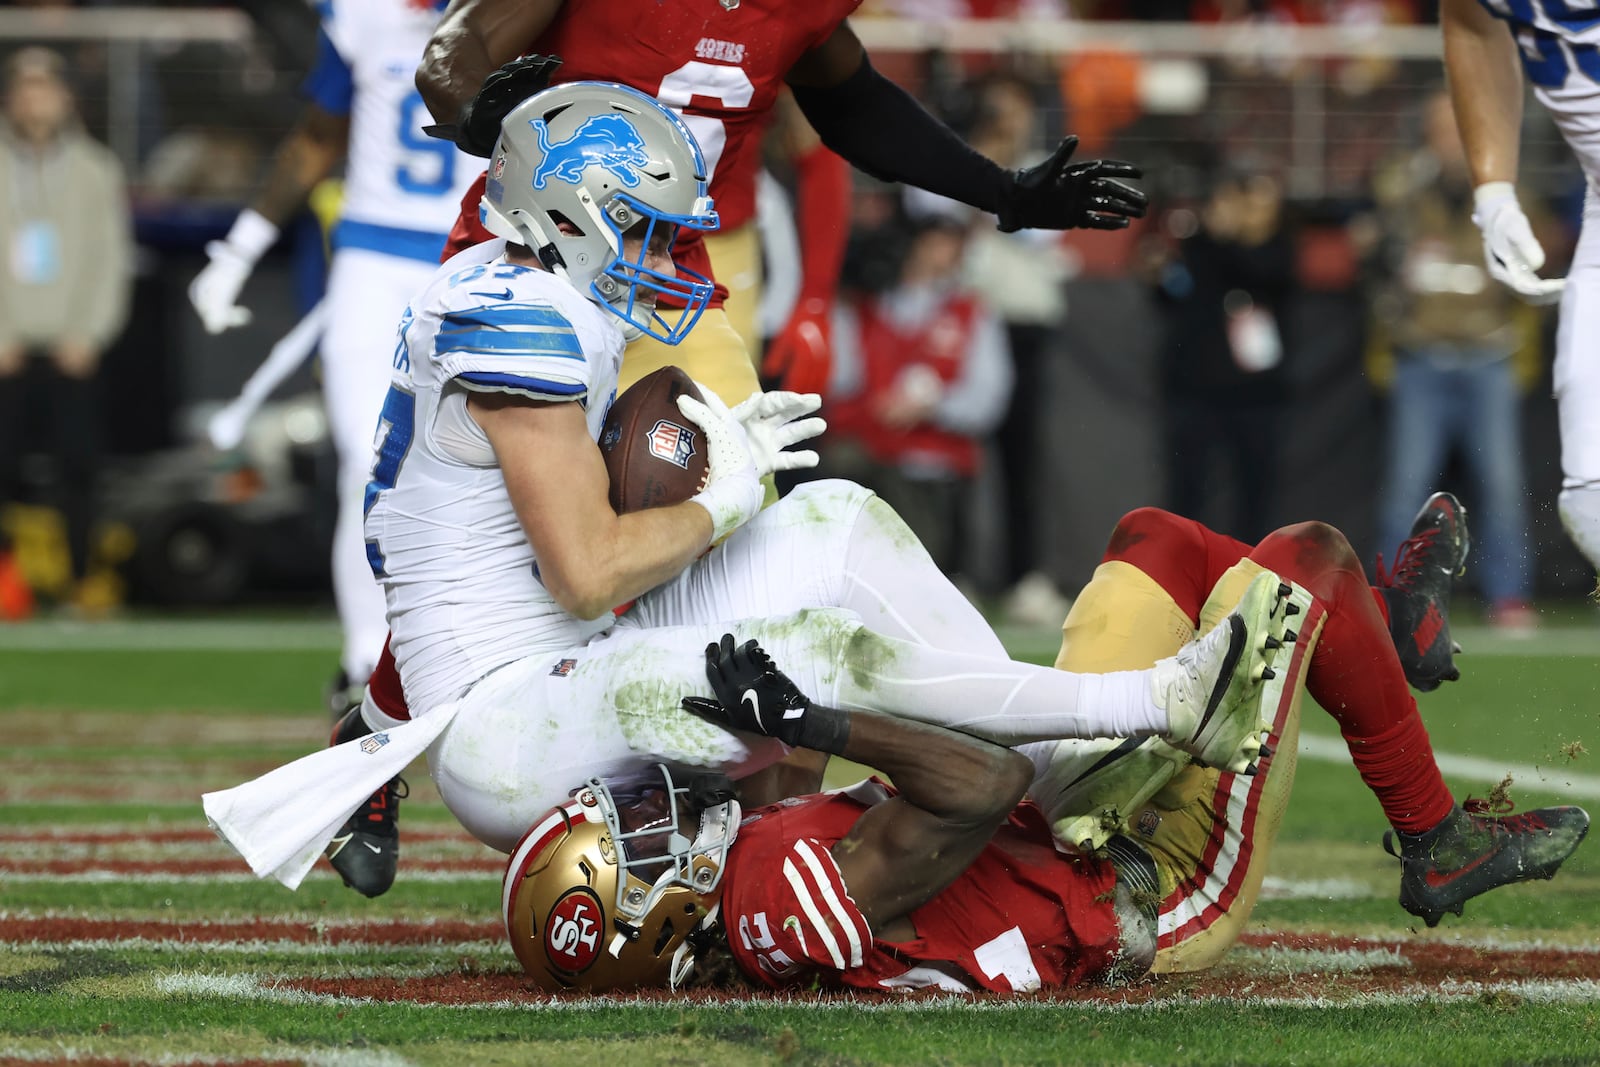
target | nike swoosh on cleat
[
  {"x": 1236, "y": 641},
  {"x": 504, "y": 294},
  {"x": 373, "y": 847},
  {"x": 1435, "y": 879}
]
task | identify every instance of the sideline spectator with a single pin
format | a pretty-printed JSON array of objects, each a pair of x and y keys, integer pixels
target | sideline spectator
[
  {"x": 921, "y": 377},
  {"x": 1022, "y": 277},
  {"x": 1224, "y": 292},
  {"x": 64, "y": 293},
  {"x": 1452, "y": 335}
]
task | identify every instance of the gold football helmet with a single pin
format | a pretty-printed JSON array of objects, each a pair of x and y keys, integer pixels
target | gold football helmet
[{"x": 600, "y": 896}]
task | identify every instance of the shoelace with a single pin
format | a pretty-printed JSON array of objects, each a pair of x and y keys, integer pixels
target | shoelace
[
  {"x": 379, "y": 807},
  {"x": 1408, "y": 559},
  {"x": 1495, "y": 815}
]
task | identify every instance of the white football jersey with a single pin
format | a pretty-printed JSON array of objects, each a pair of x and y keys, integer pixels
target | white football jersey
[
  {"x": 1560, "y": 45},
  {"x": 395, "y": 175},
  {"x": 458, "y": 573}
]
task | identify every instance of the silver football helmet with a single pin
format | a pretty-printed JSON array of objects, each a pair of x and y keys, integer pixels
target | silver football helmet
[
  {"x": 608, "y": 891},
  {"x": 604, "y": 160}
]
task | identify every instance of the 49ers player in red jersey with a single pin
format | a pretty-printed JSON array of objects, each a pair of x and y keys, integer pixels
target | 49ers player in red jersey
[
  {"x": 722, "y": 64},
  {"x": 951, "y": 883}
]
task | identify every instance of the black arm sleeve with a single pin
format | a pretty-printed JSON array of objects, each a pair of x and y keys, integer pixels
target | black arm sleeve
[{"x": 881, "y": 129}]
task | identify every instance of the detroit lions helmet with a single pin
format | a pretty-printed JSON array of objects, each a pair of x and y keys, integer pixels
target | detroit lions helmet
[
  {"x": 603, "y": 159},
  {"x": 599, "y": 896}
]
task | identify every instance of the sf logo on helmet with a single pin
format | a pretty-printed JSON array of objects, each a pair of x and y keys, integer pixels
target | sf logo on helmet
[
  {"x": 572, "y": 933},
  {"x": 609, "y": 141}
]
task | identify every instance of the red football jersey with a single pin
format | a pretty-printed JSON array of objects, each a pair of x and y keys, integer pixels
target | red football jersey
[
  {"x": 718, "y": 65},
  {"x": 1022, "y": 917}
]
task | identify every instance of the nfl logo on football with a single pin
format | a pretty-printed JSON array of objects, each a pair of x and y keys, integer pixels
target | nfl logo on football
[{"x": 672, "y": 442}]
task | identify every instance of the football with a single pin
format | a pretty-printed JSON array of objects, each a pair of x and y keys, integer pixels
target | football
[{"x": 654, "y": 456}]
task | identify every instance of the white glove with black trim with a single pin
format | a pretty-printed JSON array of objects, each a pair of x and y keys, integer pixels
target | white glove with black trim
[
  {"x": 1510, "y": 249},
  {"x": 773, "y": 422},
  {"x": 215, "y": 290},
  {"x": 733, "y": 492}
]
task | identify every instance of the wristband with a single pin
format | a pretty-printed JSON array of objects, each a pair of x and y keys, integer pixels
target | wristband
[
  {"x": 251, "y": 234},
  {"x": 731, "y": 502},
  {"x": 824, "y": 729},
  {"x": 1490, "y": 196}
]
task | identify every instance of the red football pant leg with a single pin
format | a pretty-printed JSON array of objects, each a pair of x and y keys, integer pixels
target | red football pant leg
[{"x": 1355, "y": 673}]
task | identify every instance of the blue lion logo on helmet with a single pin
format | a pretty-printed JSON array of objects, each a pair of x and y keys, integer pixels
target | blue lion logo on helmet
[{"x": 609, "y": 141}]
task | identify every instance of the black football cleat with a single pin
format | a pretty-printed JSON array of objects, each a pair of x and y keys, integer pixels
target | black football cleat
[
  {"x": 366, "y": 850},
  {"x": 1417, "y": 591},
  {"x": 1471, "y": 853}
]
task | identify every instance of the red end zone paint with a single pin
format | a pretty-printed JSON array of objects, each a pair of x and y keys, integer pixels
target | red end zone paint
[{"x": 1404, "y": 968}]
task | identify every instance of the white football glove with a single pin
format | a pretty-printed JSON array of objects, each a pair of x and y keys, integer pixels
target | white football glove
[
  {"x": 1511, "y": 251},
  {"x": 215, "y": 290},
  {"x": 733, "y": 492},
  {"x": 773, "y": 422}
]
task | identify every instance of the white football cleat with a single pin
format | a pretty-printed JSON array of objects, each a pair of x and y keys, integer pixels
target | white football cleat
[{"x": 1212, "y": 691}]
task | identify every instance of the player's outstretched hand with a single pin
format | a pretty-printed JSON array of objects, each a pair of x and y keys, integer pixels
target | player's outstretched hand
[
  {"x": 1510, "y": 250},
  {"x": 1061, "y": 195},
  {"x": 772, "y": 422},
  {"x": 753, "y": 695},
  {"x": 477, "y": 129},
  {"x": 733, "y": 492}
]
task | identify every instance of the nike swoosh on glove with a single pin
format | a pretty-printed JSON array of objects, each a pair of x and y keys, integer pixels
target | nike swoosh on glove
[
  {"x": 1510, "y": 250},
  {"x": 1061, "y": 195},
  {"x": 754, "y": 696}
]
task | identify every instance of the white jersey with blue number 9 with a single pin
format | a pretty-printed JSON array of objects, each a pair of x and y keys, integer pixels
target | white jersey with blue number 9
[
  {"x": 459, "y": 576},
  {"x": 1559, "y": 41},
  {"x": 395, "y": 175}
]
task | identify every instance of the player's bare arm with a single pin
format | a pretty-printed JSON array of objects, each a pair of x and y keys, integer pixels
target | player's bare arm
[
  {"x": 306, "y": 156},
  {"x": 954, "y": 789},
  {"x": 590, "y": 558},
  {"x": 1485, "y": 87},
  {"x": 470, "y": 42}
]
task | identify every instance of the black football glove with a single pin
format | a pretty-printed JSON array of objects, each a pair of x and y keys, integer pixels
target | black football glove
[
  {"x": 754, "y": 696},
  {"x": 478, "y": 127},
  {"x": 1060, "y": 195}
]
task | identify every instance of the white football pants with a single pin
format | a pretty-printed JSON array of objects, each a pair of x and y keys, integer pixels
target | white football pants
[{"x": 850, "y": 606}]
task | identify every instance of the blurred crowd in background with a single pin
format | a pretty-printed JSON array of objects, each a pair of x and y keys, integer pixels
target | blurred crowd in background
[{"x": 1302, "y": 327}]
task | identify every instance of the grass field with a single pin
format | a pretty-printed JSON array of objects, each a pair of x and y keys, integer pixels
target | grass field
[{"x": 128, "y": 933}]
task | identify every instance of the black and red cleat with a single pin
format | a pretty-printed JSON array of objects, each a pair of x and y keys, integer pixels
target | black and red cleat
[
  {"x": 1472, "y": 852},
  {"x": 1417, "y": 591},
  {"x": 366, "y": 850}
]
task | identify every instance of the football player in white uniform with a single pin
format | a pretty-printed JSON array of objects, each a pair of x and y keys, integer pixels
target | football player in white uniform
[
  {"x": 1556, "y": 47},
  {"x": 401, "y": 194},
  {"x": 488, "y": 522}
]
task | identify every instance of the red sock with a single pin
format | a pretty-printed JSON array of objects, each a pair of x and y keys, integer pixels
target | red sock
[
  {"x": 384, "y": 686},
  {"x": 1355, "y": 675}
]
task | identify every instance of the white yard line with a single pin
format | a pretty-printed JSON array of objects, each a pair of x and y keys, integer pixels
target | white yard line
[{"x": 1525, "y": 776}]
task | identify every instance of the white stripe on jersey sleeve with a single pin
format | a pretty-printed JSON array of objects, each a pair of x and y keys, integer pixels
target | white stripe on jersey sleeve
[{"x": 823, "y": 874}]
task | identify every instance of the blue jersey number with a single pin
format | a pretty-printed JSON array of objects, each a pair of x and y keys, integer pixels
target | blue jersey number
[
  {"x": 430, "y": 167},
  {"x": 396, "y": 423},
  {"x": 1547, "y": 59}
]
